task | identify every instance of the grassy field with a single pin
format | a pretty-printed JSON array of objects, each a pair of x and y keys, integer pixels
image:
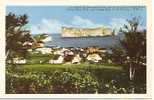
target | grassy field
[
  {"x": 101, "y": 71},
  {"x": 47, "y": 67}
]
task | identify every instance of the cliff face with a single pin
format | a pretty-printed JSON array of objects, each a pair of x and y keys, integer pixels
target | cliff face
[{"x": 85, "y": 32}]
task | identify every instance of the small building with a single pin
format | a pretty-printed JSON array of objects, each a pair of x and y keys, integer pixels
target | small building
[
  {"x": 68, "y": 56},
  {"x": 59, "y": 60},
  {"x": 94, "y": 58},
  {"x": 27, "y": 43},
  {"x": 58, "y": 52},
  {"x": 19, "y": 61},
  {"x": 91, "y": 50},
  {"x": 68, "y": 52},
  {"x": 76, "y": 59},
  {"x": 44, "y": 50}
]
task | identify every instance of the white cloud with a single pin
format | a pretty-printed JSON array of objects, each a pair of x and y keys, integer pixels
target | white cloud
[
  {"x": 47, "y": 26},
  {"x": 84, "y": 23},
  {"x": 54, "y": 26}
]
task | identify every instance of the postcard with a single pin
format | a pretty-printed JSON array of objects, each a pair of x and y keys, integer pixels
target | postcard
[{"x": 83, "y": 50}]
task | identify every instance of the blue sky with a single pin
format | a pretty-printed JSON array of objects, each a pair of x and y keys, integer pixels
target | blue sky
[{"x": 50, "y": 19}]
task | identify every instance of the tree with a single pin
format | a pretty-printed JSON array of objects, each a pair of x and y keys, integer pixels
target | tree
[
  {"x": 118, "y": 54},
  {"x": 16, "y": 35},
  {"x": 134, "y": 44},
  {"x": 40, "y": 37}
]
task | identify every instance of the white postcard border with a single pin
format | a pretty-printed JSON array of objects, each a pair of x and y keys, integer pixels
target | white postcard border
[{"x": 146, "y": 3}]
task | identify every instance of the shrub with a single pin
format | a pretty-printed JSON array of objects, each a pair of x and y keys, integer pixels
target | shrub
[
  {"x": 56, "y": 82},
  {"x": 69, "y": 81}
]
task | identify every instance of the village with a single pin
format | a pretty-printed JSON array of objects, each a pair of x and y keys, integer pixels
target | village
[{"x": 64, "y": 55}]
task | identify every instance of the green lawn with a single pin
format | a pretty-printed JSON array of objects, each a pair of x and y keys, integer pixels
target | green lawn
[
  {"x": 105, "y": 71},
  {"x": 36, "y": 58},
  {"x": 48, "y": 67},
  {"x": 33, "y": 64}
]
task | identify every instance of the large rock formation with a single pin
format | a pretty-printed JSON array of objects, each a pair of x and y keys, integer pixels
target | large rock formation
[{"x": 85, "y": 32}]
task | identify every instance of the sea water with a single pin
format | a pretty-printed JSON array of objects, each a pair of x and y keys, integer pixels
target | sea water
[{"x": 104, "y": 42}]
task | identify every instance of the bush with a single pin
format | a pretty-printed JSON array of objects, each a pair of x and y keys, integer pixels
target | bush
[
  {"x": 56, "y": 82},
  {"x": 69, "y": 81}
]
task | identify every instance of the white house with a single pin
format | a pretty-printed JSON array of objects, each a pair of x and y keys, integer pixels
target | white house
[
  {"x": 19, "y": 61},
  {"x": 76, "y": 59},
  {"x": 44, "y": 50},
  {"x": 58, "y": 52},
  {"x": 68, "y": 52},
  {"x": 57, "y": 61},
  {"x": 94, "y": 57}
]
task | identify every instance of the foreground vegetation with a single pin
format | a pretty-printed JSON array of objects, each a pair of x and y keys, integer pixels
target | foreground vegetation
[{"x": 46, "y": 78}]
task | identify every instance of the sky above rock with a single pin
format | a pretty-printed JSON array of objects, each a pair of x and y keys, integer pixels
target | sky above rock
[{"x": 50, "y": 19}]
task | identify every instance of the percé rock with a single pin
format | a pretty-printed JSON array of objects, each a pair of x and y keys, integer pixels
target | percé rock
[{"x": 86, "y": 32}]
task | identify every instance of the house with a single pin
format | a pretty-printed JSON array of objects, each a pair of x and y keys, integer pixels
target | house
[
  {"x": 58, "y": 52},
  {"x": 91, "y": 50},
  {"x": 76, "y": 59},
  {"x": 27, "y": 43},
  {"x": 68, "y": 56},
  {"x": 68, "y": 52},
  {"x": 59, "y": 60},
  {"x": 19, "y": 61},
  {"x": 94, "y": 58},
  {"x": 44, "y": 50}
]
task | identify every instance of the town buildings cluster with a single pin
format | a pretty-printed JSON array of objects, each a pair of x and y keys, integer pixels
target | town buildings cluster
[{"x": 69, "y": 55}]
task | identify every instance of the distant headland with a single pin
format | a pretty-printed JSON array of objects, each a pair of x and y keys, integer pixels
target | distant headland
[{"x": 86, "y": 32}]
